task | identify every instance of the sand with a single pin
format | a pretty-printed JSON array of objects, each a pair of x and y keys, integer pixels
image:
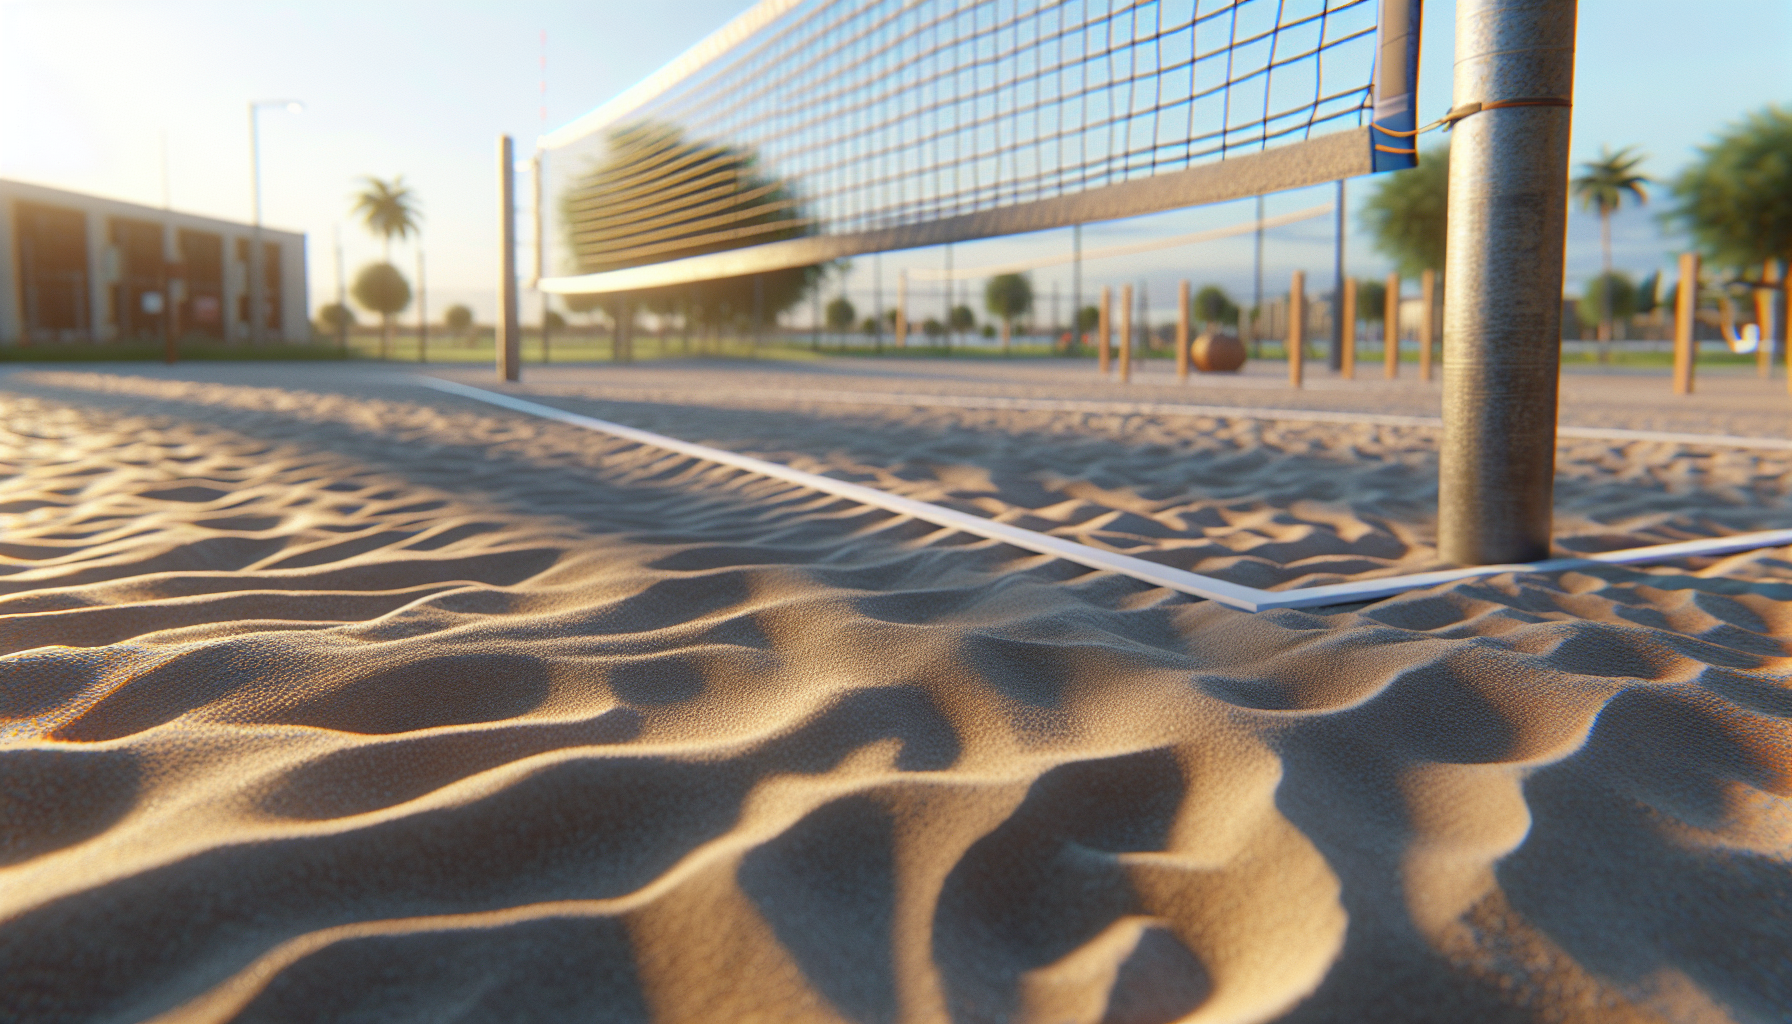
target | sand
[{"x": 329, "y": 698}]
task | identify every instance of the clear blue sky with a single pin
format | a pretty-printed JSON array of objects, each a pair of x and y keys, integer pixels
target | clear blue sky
[{"x": 88, "y": 89}]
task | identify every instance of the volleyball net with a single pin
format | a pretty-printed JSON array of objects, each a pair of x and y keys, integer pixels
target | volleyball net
[{"x": 810, "y": 130}]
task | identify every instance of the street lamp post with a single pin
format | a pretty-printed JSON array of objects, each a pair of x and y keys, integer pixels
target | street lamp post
[{"x": 257, "y": 254}]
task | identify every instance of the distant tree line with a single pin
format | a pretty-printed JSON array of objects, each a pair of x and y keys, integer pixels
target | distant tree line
[{"x": 1734, "y": 201}]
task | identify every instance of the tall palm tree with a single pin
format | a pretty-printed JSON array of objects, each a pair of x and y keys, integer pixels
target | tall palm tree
[
  {"x": 1602, "y": 185},
  {"x": 388, "y": 209}
]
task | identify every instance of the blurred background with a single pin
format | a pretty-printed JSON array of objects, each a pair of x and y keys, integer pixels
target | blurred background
[{"x": 148, "y": 102}]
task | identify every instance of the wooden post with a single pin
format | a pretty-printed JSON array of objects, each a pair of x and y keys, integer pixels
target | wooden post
[
  {"x": 1764, "y": 327},
  {"x": 1347, "y": 330},
  {"x": 1686, "y": 306},
  {"x": 1126, "y": 334},
  {"x": 1102, "y": 334},
  {"x": 1786, "y": 328},
  {"x": 902, "y": 309},
  {"x": 423, "y": 312},
  {"x": 1182, "y": 331},
  {"x": 1339, "y": 356},
  {"x": 1770, "y": 279},
  {"x": 1297, "y": 328},
  {"x": 1428, "y": 322},
  {"x": 1390, "y": 329},
  {"x": 510, "y": 335}
]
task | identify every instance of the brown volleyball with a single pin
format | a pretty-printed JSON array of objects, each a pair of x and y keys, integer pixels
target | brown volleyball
[{"x": 1217, "y": 353}]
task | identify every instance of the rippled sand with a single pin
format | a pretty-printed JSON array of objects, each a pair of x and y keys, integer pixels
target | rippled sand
[{"x": 324, "y": 697}]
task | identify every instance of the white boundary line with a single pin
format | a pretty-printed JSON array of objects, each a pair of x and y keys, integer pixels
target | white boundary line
[
  {"x": 1112, "y": 408},
  {"x": 1232, "y": 595}
]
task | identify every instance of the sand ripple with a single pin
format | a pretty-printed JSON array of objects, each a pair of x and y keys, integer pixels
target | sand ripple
[{"x": 352, "y": 703}]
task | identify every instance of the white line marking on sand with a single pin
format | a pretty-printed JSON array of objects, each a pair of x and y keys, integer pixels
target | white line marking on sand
[
  {"x": 1232, "y": 595},
  {"x": 1113, "y": 408}
]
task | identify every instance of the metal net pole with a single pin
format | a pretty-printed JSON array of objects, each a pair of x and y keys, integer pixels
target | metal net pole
[{"x": 1503, "y": 290}]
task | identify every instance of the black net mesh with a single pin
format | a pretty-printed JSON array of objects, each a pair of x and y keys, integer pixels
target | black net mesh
[{"x": 844, "y": 116}]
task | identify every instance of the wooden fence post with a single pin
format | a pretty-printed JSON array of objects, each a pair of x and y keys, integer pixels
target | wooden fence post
[
  {"x": 1297, "y": 328},
  {"x": 509, "y": 332},
  {"x": 1390, "y": 329},
  {"x": 1686, "y": 306},
  {"x": 1126, "y": 334},
  {"x": 1104, "y": 338},
  {"x": 1347, "y": 330},
  {"x": 1182, "y": 331},
  {"x": 1786, "y": 314},
  {"x": 1770, "y": 279}
]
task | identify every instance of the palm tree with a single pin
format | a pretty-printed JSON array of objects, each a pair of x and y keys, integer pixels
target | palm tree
[
  {"x": 388, "y": 209},
  {"x": 1408, "y": 215},
  {"x": 1602, "y": 186},
  {"x": 1736, "y": 197}
]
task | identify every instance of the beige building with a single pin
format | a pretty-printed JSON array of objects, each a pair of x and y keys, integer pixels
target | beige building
[{"x": 78, "y": 268}]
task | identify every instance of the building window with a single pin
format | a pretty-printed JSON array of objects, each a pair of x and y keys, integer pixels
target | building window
[
  {"x": 138, "y": 294},
  {"x": 202, "y": 260},
  {"x": 270, "y": 274},
  {"x": 52, "y": 254}
]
